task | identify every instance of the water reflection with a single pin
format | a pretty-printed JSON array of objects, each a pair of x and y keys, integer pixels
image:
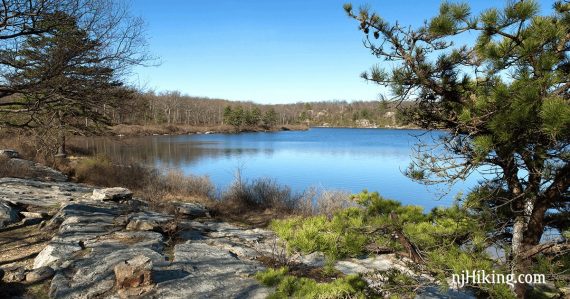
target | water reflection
[{"x": 347, "y": 159}]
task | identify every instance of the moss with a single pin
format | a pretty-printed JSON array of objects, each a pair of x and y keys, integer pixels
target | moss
[{"x": 288, "y": 286}]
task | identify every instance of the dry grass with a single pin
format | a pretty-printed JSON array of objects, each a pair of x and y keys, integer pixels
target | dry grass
[
  {"x": 323, "y": 202},
  {"x": 146, "y": 182},
  {"x": 261, "y": 200},
  {"x": 100, "y": 171},
  {"x": 32, "y": 147},
  {"x": 176, "y": 186}
]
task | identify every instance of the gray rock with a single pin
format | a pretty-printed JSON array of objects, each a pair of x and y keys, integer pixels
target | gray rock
[
  {"x": 9, "y": 153},
  {"x": 212, "y": 273},
  {"x": 133, "y": 273},
  {"x": 239, "y": 250},
  {"x": 40, "y": 274},
  {"x": 8, "y": 214},
  {"x": 148, "y": 221},
  {"x": 192, "y": 210},
  {"x": 122, "y": 240},
  {"x": 93, "y": 275},
  {"x": 112, "y": 194},
  {"x": 315, "y": 259},
  {"x": 374, "y": 263},
  {"x": 42, "y": 195},
  {"x": 55, "y": 252},
  {"x": 435, "y": 292}
]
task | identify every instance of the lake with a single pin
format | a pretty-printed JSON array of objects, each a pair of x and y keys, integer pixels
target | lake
[{"x": 327, "y": 158}]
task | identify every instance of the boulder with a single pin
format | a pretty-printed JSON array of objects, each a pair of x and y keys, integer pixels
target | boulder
[
  {"x": 148, "y": 221},
  {"x": 8, "y": 214},
  {"x": 191, "y": 210},
  {"x": 40, "y": 274},
  {"x": 134, "y": 273},
  {"x": 9, "y": 153},
  {"x": 112, "y": 194},
  {"x": 315, "y": 259}
]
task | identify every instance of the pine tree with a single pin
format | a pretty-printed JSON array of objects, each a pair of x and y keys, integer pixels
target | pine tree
[
  {"x": 67, "y": 83},
  {"x": 504, "y": 100}
]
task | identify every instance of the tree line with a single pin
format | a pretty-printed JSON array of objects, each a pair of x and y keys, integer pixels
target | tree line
[{"x": 173, "y": 107}]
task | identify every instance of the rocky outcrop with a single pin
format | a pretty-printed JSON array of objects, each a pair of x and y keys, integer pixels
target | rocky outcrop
[
  {"x": 114, "y": 246},
  {"x": 39, "y": 195}
]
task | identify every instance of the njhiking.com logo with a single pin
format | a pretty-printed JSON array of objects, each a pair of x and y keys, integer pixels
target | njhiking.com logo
[{"x": 482, "y": 277}]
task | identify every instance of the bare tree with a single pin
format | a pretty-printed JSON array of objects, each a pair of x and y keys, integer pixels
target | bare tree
[{"x": 65, "y": 59}]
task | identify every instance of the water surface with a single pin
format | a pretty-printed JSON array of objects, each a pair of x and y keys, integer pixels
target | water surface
[{"x": 329, "y": 158}]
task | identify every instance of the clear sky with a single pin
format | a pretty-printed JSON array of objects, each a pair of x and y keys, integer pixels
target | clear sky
[{"x": 267, "y": 51}]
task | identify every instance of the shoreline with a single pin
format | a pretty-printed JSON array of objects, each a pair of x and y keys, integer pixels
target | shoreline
[
  {"x": 123, "y": 130},
  {"x": 154, "y": 130}
]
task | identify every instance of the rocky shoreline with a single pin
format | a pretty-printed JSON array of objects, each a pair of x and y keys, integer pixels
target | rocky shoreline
[{"x": 105, "y": 243}]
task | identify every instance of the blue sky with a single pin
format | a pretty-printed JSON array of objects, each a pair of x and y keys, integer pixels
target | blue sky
[{"x": 267, "y": 51}]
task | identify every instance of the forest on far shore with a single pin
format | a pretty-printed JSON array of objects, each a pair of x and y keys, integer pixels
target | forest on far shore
[{"x": 174, "y": 108}]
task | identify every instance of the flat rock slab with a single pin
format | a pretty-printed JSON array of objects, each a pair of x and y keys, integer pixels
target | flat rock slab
[
  {"x": 39, "y": 274},
  {"x": 41, "y": 194},
  {"x": 210, "y": 273},
  {"x": 79, "y": 224}
]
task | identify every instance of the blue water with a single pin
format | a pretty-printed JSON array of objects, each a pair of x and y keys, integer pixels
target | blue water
[{"x": 328, "y": 158}]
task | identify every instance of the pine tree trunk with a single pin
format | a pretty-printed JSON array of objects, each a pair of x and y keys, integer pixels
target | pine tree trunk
[{"x": 520, "y": 243}]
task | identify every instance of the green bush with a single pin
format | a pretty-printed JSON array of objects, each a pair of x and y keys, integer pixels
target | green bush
[
  {"x": 288, "y": 286},
  {"x": 338, "y": 237},
  {"x": 450, "y": 239}
]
